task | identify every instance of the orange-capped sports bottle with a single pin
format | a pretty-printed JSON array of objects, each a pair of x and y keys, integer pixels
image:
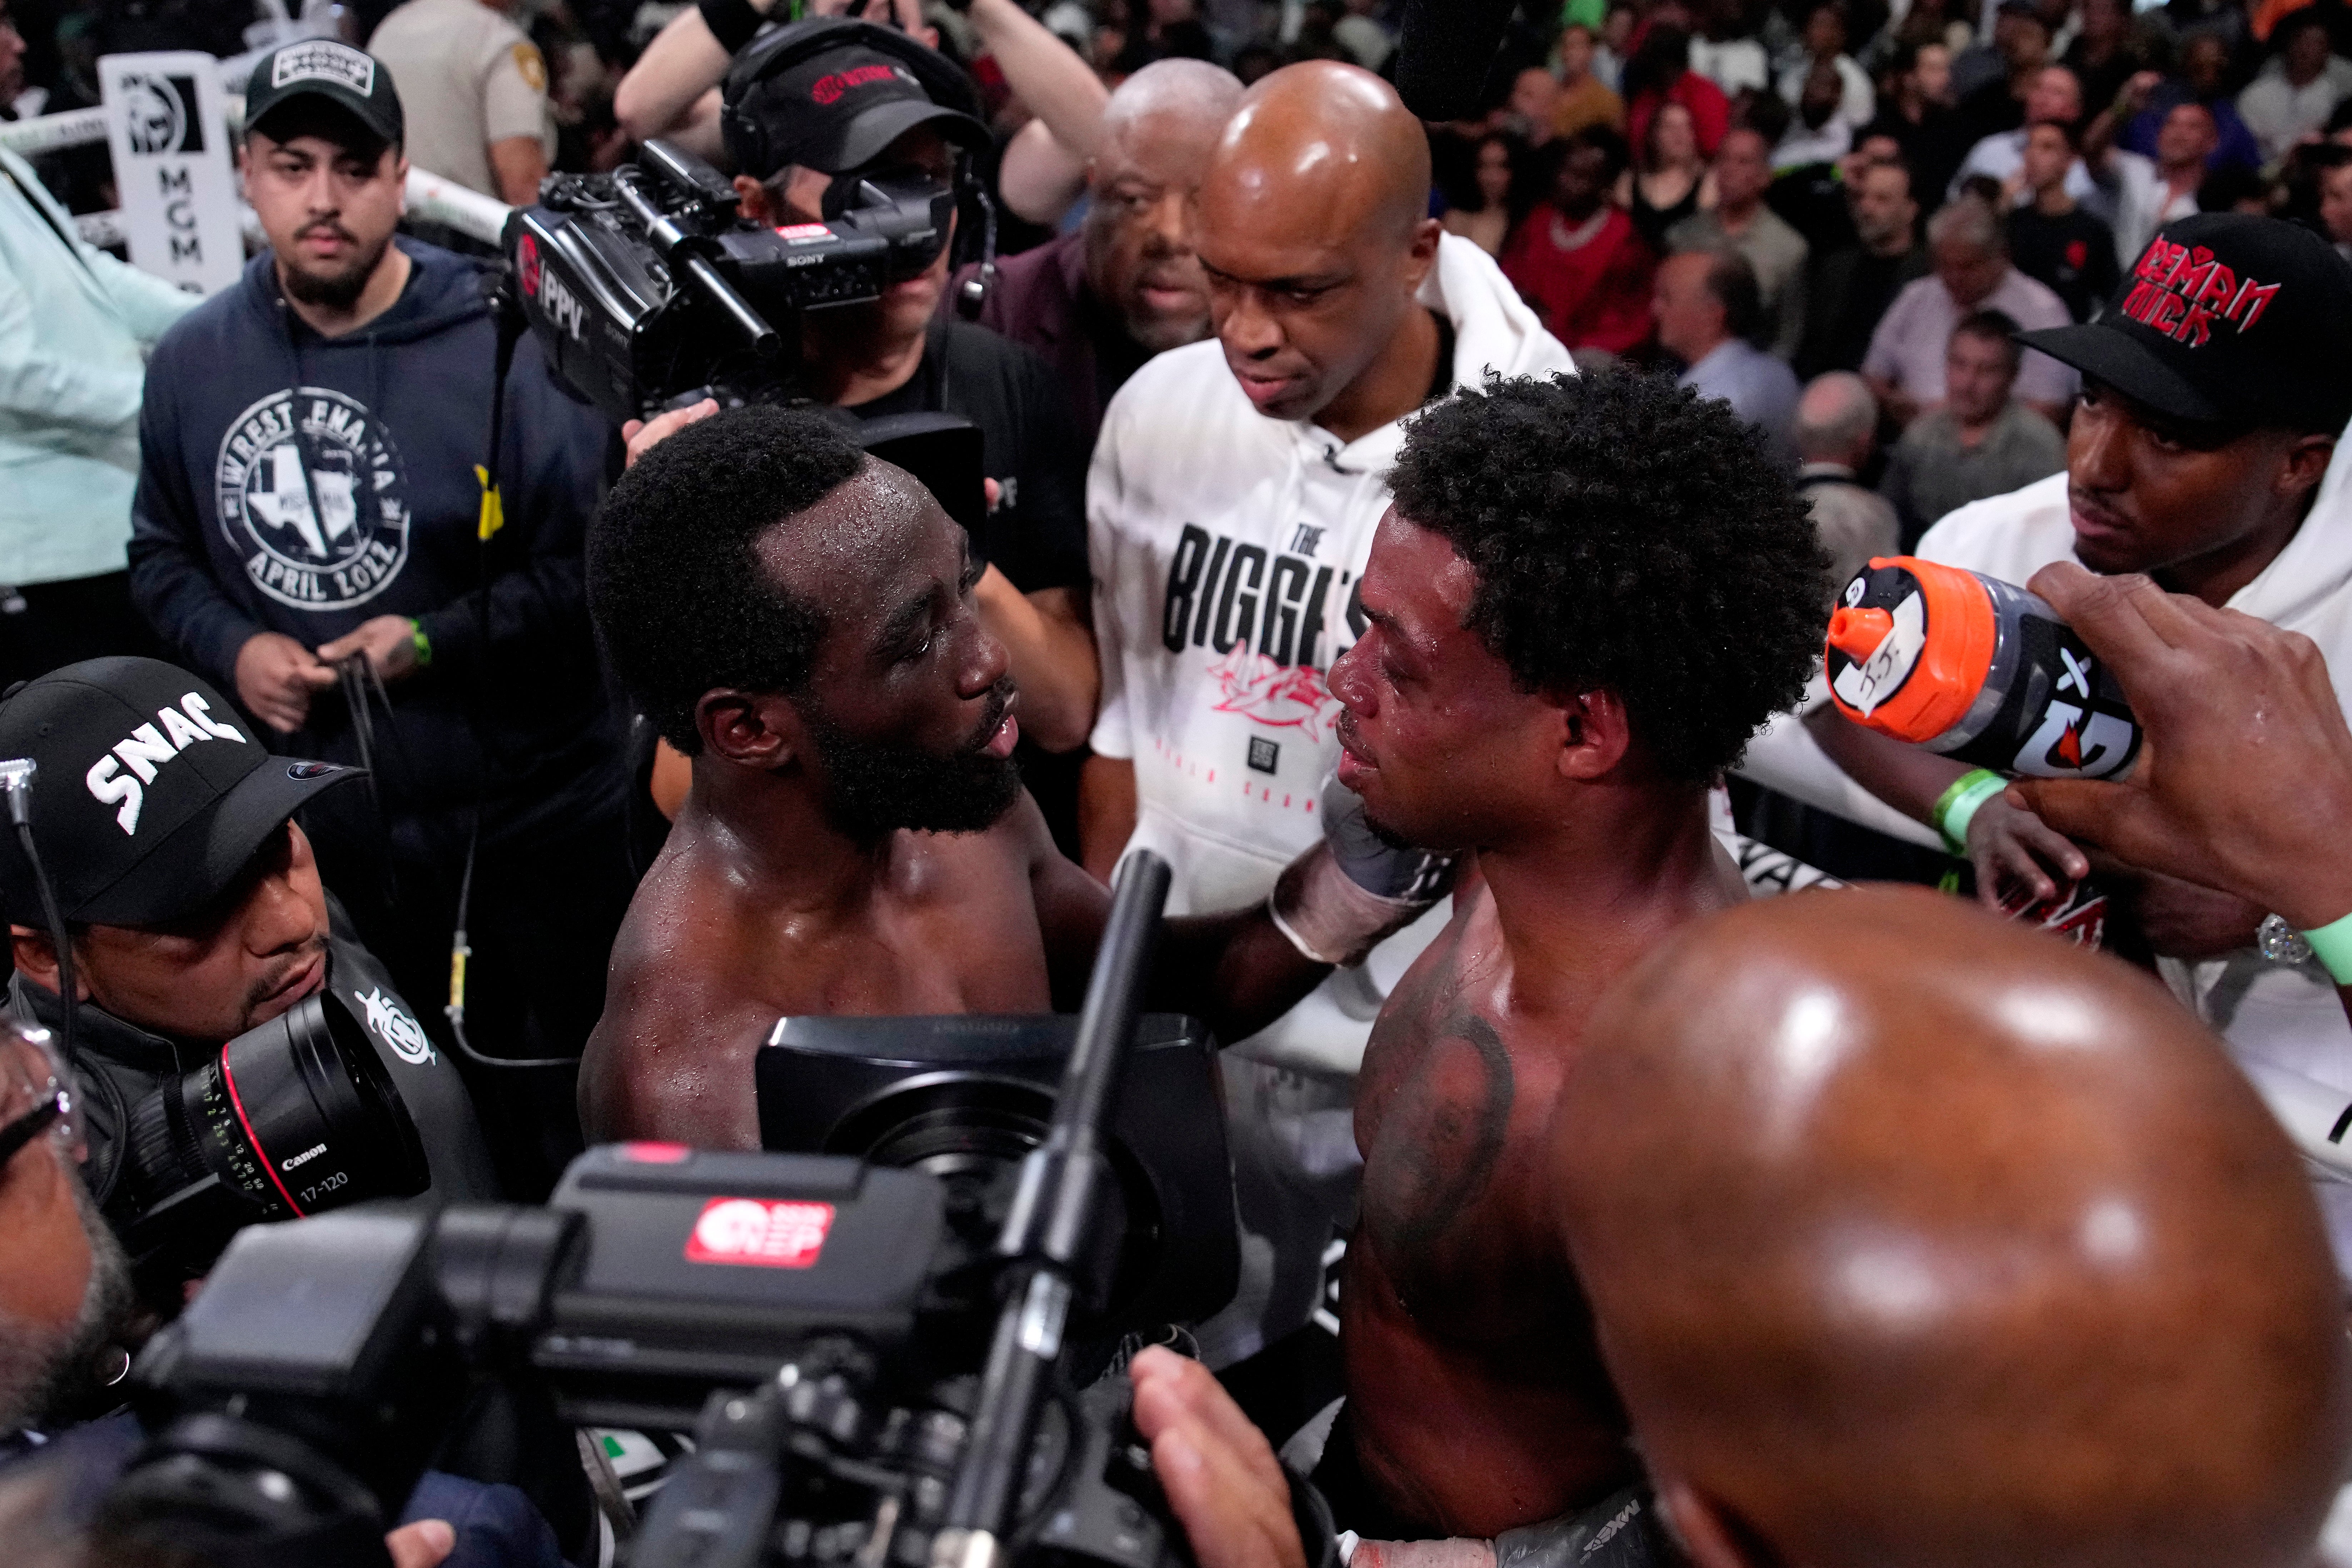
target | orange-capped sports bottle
[{"x": 1976, "y": 669}]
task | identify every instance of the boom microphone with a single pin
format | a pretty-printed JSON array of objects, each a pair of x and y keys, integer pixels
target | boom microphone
[{"x": 1444, "y": 51}]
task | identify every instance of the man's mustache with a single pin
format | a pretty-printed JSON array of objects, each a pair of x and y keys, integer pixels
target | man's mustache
[{"x": 1000, "y": 700}]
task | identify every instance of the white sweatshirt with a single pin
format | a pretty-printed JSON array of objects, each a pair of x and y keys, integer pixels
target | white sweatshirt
[
  {"x": 2286, "y": 1016},
  {"x": 1226, "y": 548}
]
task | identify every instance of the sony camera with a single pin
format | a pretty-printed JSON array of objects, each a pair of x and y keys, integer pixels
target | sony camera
[
  {"x": 886, "y": 1366},
  {"x": 646, "y": 288}
]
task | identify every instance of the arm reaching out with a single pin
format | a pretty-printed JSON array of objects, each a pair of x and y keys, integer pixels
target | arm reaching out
[{"x": 2245, "y": 780}]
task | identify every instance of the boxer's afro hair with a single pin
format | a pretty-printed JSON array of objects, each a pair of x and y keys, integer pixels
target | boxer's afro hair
[
  {"x": 1629, "y": 535},
  {"x": 681, "y": 603}
]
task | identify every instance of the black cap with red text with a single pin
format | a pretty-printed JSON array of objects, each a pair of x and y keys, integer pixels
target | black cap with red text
[
  {"x": 2225, "y": 320},
  {"x": 352, "y": 80},
  {"x": 150, "y": 796},
  {"x": 840, "y": 109}
]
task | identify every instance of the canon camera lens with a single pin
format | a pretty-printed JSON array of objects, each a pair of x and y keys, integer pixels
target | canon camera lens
[{"x": 293, "y": 1117}]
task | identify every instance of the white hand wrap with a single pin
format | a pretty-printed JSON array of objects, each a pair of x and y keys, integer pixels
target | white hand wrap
[{"x": 1329, "y": 917}]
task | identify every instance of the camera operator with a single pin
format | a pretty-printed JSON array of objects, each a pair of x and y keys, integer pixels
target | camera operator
[
  {"x": 672, "y": 91},
  {"x": 190, "y": 896},
  {"x": 69, "y": 1321},
  {"x": 799, "y": 618},
  {"x": 1911, "y": 1239},
  {"x": 1125, "y": 284},
  {"x": 308, "y": 495}
]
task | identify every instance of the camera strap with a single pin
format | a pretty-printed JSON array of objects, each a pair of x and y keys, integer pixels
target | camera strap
[{"x": 506, "y": 313}]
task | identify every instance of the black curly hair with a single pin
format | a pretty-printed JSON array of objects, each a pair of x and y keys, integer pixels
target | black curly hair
[
  {"x": 680, "y": 601},
  {"x": 1629, "y": 535}
]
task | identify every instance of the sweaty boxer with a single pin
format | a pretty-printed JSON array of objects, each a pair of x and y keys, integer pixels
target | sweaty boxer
[
  {"x": 1588, "y": 594},
  {"x": 797, "y": 618},
  {"x": 1913, "y": 1239}
]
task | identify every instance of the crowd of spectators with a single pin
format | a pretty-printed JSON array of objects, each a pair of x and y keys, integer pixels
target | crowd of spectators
[{"x": 1229, "y": 277}]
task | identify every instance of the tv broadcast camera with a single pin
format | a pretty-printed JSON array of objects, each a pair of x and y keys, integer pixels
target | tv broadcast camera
[
  {"x": 886, "y": 1375},
  {"x": 647, "y": 290}
]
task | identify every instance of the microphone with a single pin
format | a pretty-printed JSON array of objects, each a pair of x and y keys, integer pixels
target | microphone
[{"x": 1445, "y": 50}]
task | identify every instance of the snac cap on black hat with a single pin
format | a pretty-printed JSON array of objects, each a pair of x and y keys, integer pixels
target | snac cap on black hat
[
  {"x": 352, "y": 80},
  {"x": 838, "y": 110},
  {"x": 151, "y": 796},
  {"x": 2226, "y": 319}
]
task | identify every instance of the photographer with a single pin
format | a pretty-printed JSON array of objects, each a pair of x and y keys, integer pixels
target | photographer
[
  {"x": 308, "y": 496},
  {"x": 191, "y": 898},
  {"x": 2084, "y": 1317},
  {"x": 67, "y": 1322},
  {"x": 672, "y": 91}
]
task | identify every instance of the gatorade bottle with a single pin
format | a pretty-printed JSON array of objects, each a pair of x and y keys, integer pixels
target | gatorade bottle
[{"x": 1976, "y": 669}]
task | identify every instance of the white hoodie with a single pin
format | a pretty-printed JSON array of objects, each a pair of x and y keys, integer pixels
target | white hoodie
[
  {"x": 1226, "y": 548},
  {"x": 2286, "y": 1015}
]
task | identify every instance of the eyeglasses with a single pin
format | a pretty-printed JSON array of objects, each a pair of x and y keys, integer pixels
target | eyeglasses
[{"x": 29, "y": 1069}]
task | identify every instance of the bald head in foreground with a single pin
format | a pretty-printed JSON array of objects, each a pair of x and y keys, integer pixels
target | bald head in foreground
[
  {"x": 1916, "y": 1239},
  {"x": 1313, "y": 229},
  {"x": 1912, "y": 1239}
]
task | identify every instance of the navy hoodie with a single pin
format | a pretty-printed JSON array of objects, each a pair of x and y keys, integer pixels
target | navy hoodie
[{"x": 295, "y": 483}]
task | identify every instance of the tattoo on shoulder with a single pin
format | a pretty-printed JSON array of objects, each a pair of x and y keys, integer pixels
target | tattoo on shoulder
[{"x": 1450, "y": 1163}]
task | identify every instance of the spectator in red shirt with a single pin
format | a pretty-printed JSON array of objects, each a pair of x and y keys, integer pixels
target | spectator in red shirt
[
  {"x": 1660, "y": 73},
  {"x": 1577, "y": 258}
]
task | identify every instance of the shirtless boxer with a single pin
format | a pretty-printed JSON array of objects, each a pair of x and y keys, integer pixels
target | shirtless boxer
[
  {"x": 798, "y": 618},
  {"x": 1587, "y": 597},
  {"x": 1913, "y": 1239}
]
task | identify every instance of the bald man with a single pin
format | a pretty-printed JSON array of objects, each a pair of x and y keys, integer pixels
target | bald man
[
  {"x": 1102, "y": 298},
  {"x": 1836, "y": 432},
  {"x": 1229, "y": 510},
  {"x": 1914, "y": 1239}
]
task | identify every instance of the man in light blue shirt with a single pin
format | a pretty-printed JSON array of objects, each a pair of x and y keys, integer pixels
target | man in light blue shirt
[
  {"x": 75, "y": 328},
  {"x": 1707, "y": 305}
]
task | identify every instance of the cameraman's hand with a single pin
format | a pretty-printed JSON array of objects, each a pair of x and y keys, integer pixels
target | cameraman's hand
[
  {"x": 1218, "y": 1470},
  {"x": 425, "y": 1545},
  {"x": 644, "y": 434},
  {"x": 2011, "y": 848},
  {"x": 275, "y": 678},
  {"x": 389, "y": 642},
  {"x": 2244, "y": 782}
]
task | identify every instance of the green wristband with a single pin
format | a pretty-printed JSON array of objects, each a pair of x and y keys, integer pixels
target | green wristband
[
  {"x": 422, "y": 643},
  {"x": 1957, "y": 806},
  {"x": 2332, "y": 945}
]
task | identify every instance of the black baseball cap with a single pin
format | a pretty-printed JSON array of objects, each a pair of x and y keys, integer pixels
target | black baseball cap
[
  {"x": 834, "y": 111},
  {"x": 152, "y": 795},
  {"x": 2226, "y": 319},
  {"x": 352, "y": 80}
]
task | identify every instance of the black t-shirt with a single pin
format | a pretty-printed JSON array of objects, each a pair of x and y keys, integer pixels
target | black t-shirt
[
  {"x": 1846, "y": 292},
  {"x": 2074, "y": 255},
  {"x": 1031, "y": 445}
]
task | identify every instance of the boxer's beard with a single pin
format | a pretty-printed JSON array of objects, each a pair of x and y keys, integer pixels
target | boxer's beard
[
  {"x": 49, "y": 1375},
  {"x": 874, "y": 788}
]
